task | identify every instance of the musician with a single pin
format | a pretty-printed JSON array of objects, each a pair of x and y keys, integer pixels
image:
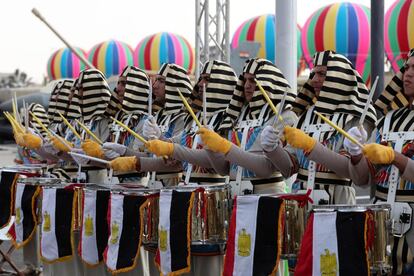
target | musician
[
  {"x": 396, "y": 103},
  {"x": 168, "y": 122},
  {"x": 336, "y": 90}
]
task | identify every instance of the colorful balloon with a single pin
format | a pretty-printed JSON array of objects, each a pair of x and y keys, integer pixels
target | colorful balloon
[
  {"x": 399, "y": 32},
  {"x": 111, "y": 57},
  {"x": 154, "y": 50},
  {"x": 343, "y": 27},
  {"x": 65, "y": 64},
  {"x": 262, "y": 29}
]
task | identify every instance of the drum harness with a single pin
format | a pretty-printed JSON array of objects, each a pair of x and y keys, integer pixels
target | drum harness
[
  {"x": 401, "y": 212},
  {"x": 196, "y": 142},
  {"x": 319, "y": 196},
  {"x": 239, "y": 186}
]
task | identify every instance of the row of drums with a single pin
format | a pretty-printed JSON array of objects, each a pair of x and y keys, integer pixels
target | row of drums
[{"x": 211, "y": 213}]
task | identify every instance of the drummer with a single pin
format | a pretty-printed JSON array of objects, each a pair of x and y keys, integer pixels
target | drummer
[
  {"x": 336, "y": 90},
  {"x": 168, "y": 122},
  {"x": 128, "y": 104},
  {"x": 396, "y": 103}
]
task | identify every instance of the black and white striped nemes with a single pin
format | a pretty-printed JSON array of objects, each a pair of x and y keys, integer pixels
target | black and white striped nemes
[
  {"x": 393, "y": 96},
  {"x": 273, "y": 82}
]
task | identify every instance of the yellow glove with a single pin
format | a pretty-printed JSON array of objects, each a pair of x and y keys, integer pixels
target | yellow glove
[
  {"x": 160, "y": 148},
  {"x": 299, "y": 139},
  {"x": 57, "y": 144},
  {"x": 18, "y": 137},
  {"x": 214, "y": 141},
  {"x": 93, "y": 149},
  {"x": 124, "y": 164},
  {"x": 379, "y": 154},
  {"x": 32, "y": 141}
]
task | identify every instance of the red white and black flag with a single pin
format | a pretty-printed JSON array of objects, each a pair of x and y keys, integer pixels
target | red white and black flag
[
  {"x": 8, "y": 181},
  {"x": 335, "y": 243},
  {"x": 57, "y": 222},
  {"x": 255, "y": 236},
  {"x": 174, "y": 232},
  {"x": 25, "y": 222},
  {"x": 125, "y": 217},
  {"x": 94, "y": 230}
]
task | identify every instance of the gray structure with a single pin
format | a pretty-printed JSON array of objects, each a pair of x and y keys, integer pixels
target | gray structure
[{"x": 212, "y": 32}]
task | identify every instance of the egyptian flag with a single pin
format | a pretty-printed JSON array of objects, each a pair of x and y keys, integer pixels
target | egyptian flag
[
  {"x": 255, "y": 236},
  {"x": 174, "y": 232},
  {"x": 94, "y": 230},
  {"x": 57, "y": 221},
  {"x": 125, "y": 218},
  {"x": 335, "y": 243},
  {"x": 25, "y": 222},
  {"x": 7, "y": 186}
]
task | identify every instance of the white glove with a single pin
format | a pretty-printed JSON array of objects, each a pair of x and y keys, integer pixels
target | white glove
[
  {"x": 269, "y": 138},
  {"x": 49, "y": 148},
  {"x": 360, "y": 135},
  {"x": 113, "y": 150},
  {"x": 150, "y": 129},
  {"x": 81, "y": 161}
]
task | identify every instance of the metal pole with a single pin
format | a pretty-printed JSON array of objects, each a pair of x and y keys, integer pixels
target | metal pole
[
  {"x": 197, "y": 38},
  {"x": 286, "y": 41},
  {"x": 81, "y": 57},
  {"x": 206, "y": 30},
  {"x": 377, "y": 45},
  {"x": 227, "y": 31}
]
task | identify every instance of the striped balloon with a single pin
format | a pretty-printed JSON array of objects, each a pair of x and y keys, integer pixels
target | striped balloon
[
  {"x": 262, "y": 29},
  {"x": 111, "y": 57},
  {"x": 65, "y": 64},
  {"x": 159, "y": 48},
  {"x": 399, "y": 32},
  {"x": 342, "y": 27}
]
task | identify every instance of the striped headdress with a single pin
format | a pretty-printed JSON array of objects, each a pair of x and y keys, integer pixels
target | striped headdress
[
  {"x": 175, "y": 77},
  {"x": 273, "y": 82},
  {"x": 40, "y": 112},
  {"x": 59, "y": 100},
  {"x": 72, "y": 110},
  {"x": 219, "y": 89},
  {"x": 95, "y": 96},
  {"x": 343, "y": 90},
  {"x": 393, "y": 96},
  {"x": 136, "y": 93}
]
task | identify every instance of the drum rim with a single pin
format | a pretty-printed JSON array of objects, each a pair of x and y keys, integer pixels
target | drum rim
[
  {"x": 207, "y": 187},
  {"x": 356, "y": 207}
]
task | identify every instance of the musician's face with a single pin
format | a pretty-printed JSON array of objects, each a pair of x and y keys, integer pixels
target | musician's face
[
  {"x": 318, "y": 79},
  {"x": 249, "y": 86},
  {"x": 158, "y": 87},
  {"x": 408, "y": 78},
  {"x": 120, "y": 88},
  {"x": 204, "y": 79}
]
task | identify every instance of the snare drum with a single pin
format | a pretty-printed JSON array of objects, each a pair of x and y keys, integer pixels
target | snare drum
[
  {"x": 31, "y": 170},
  {"x": 210, "y": 214},
  {"x": 295, "y": 222},
  {"x": 380, "y": 261}
]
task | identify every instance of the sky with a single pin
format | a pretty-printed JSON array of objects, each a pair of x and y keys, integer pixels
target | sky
[{"x": 27, "y": 44}]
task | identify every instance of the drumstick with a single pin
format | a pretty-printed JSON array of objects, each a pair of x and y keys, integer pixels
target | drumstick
[
  {"x": 16, "y": 109},
  {"x": 89, "y": 132},
  {"x": 70, "y": 126},
  {"x": 150, "y": 98},
  {"x": 26, "y": 115},
  {"x": 136, "y": 135},
  {"x": 268, "y": 100},
  {"x": 189, "y": 109},
  {"x": 204, "y": 105},
  {"x": 90, "y": 157},
  {"x": 12, "y": 122},
  {"x": 41, "y": 124},
  {"x": 367, "y": 104},
  {"x": 340, "y": 130}
]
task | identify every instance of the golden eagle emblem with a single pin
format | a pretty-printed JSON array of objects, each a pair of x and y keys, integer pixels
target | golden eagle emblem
[{"x": 243, "y": 243}]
